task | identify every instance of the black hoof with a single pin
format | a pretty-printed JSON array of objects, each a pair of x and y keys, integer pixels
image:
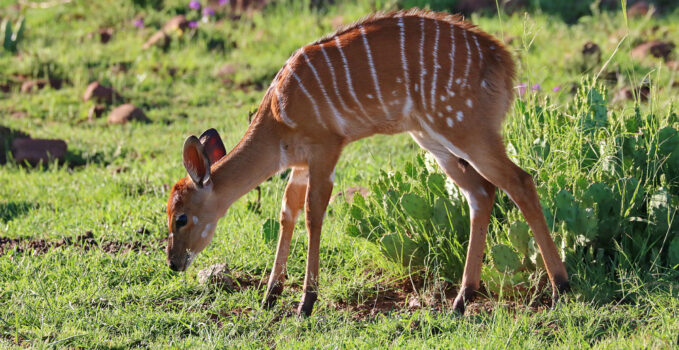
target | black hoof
[
  {"x": 561, "y": 287},
  {"x": 466, "y": 295},
  {"x": 271, "y": 296},
  {"x": 307, "y": 305}
]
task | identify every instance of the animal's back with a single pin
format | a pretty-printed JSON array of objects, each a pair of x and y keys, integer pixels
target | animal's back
[{"x": 392, "y": 72}]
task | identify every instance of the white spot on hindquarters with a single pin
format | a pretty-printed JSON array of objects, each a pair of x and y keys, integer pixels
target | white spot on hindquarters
[
  {"x": 449, "y": 121},
  {"x": 449, "y": 108},
  {"x": 195, "y": 220},
  {"x": 458, "y": 81},
  {"x": 460, "y": 116},
  {"x": 439, "y": 114},
  {"x": 484, "y": 84},
  {"x": 370, "y": 96},
  {"x": 416, "y": 89},
  {"x": 206, "y": 230},
  {"x": 469, "y": 102},
  {"x": 451, "y": 92},
  {"x": 442, "y": 98}
]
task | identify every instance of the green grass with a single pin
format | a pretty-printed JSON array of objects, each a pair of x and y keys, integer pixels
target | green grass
[{"x": 118, "y": 178}]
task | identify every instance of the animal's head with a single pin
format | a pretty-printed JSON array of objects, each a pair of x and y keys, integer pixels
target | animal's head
[{"x": 192, "y": 210}]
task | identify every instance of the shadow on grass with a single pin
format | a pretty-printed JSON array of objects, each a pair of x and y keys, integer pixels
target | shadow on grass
[{"x": 12, "y": 209}]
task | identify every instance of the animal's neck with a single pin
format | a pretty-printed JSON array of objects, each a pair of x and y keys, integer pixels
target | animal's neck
[{"x": 256, "y": 158}]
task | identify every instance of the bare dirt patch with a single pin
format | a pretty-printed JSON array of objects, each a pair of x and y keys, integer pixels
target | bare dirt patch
[{"x": 85, "y": 242}]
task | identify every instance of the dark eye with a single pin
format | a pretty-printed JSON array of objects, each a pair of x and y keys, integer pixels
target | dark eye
[{"x": 181, "y": 221}]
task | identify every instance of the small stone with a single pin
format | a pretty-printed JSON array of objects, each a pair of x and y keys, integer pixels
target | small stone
[
  {"x": 95, "y": 112},
  {"x": 100, "y": 93},
  {"x": 33, "y": 85},
  {"x": 126, "y": 113},
  {"x": 162, "y": 37},
  {"x": 7, "y": 136},
  {"x": 350, "y": 192},
  {"x": 217, "y": 275},
  {"x": 105, "y": 35},
  {"x": 591, "y": 49},
  {"x": 639, "y": 9},
  {"x": 660, "y": 49},
  {"x": 35, "y": 151}
]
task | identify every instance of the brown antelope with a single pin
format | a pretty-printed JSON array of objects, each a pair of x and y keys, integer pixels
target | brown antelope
[{"x": 433, "y": 75}]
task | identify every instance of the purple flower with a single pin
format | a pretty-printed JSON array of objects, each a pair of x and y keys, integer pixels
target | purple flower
[
  {"x": 522, "y": 88},
  {"x": 207, "y": 12},
  {"x": 535, "y": 87},
  {"x": 223, "y": 2},
  {"x": 193, "y": 24},
  {"x": 556, "y": 88},
  {"x": 194, "y": 5},
  {"x": 139, "y": 23}
]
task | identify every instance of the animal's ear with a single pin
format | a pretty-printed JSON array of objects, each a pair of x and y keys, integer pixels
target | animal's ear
[
  {"x": 196, "y": 161},
  {"x": 214, "y": 147}
]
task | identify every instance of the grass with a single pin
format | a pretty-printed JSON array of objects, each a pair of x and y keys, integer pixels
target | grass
[{"x": 116, "y": 185}]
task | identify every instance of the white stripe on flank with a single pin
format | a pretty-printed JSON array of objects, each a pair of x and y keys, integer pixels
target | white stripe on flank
[
  {"x": 339, "y": 121},
  {"x": 348, "y": 75},
  {"x": 334, "y": 80},
  {"x": 289, "y": 122},
  {"x": 313, "y": 102},
  {"x": 372, "y": 71},
  {"x": 436, "y": 66},
  {"x": 478, "y": 49},
  {"x": 404, "y": 63},
  {"x": 423, "y": 71},
  {"x": 452, "y": 58},
  {"x": 469, "y": 59},
  {"x": 444, "y": 142}
]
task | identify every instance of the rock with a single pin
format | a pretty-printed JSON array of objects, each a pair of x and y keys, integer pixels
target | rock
[
  {"x": 95, "y": 112},
  {"x": 105, "y": 35},
  {"x": 162, "y": 37},
  {"x": 660, "y": 49},
  {"x": 33, "y": 85},
  {"x": 638, "y": 9},
  {"x": 126, "y": 113},
  {"x": 226, "y": 70},
  {"x": 36, "y": 151},
  {"x": 7, "y": 136},
  {"x": 627, "y": 93},
  {"x": 217, "y": 275},
  {"x": 591, "y": 51},
  {"x": 101, "y": 93}
]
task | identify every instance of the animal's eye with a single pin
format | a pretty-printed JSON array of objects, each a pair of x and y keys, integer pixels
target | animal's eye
[{"x": 181, "y": 221}]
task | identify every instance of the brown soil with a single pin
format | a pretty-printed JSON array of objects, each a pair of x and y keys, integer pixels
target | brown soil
[{"x": 85, "y": 242}]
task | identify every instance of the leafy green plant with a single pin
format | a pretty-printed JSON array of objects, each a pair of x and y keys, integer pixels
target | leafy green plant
[{"x": 11, "y": 38}]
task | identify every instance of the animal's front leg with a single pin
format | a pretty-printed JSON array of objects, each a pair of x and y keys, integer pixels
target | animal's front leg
[
  {"x": 293, "y": 201},
  {"x": 321, "y": 175}
]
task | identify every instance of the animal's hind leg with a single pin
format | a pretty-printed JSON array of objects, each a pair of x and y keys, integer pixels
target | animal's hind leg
[
  {"x": 293, "y": 201},
  {"x": 480, "y": 195},
  {"x": 489, "y": 158}
]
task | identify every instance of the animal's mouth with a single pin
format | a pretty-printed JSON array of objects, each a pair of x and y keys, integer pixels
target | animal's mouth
[{"x": 188, "y": 260}]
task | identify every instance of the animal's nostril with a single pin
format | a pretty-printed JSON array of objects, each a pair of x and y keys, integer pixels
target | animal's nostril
[{"x": 172, "y": 265}]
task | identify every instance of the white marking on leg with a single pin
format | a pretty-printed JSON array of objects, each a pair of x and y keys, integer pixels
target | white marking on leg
[
  {"x": 423, "y": 70},
  {"x": 449, "y": 121},
  {"x": 452, "y": 59},
  {"x": 348, "y": 76},
  {"x": 460, "y": 116},
  {"x": 339, "y": 121},
  {"x": 471, "y": 200},
  {"x": 436, "y": 66},
  {"x": 444, "y": 142},
  {"x": 311, "y": 99},
  {"x": 287, "y": 212},
  {"x": 334, "y": 80},
  {"x": 469, "y": 102},
  {"x": 373, "y": 73},
  {"x": 404, "y": 63},
  {"x": 332, "y": 176},
  {"x": 195, "y": 220},
  {"x": 469, "y": 59}
]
